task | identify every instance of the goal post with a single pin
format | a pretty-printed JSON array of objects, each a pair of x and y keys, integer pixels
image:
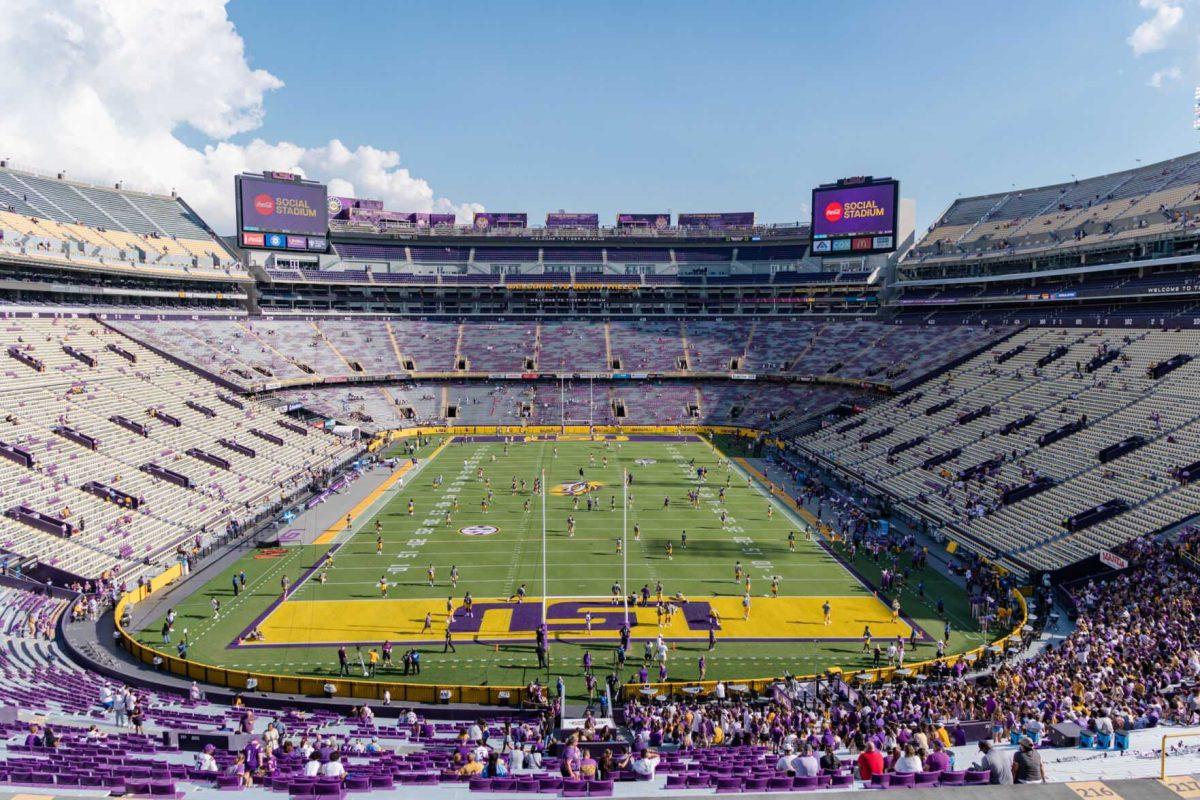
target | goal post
[
  {"x": 598, "y": 604},
  {"x": 565, "y": 419}
]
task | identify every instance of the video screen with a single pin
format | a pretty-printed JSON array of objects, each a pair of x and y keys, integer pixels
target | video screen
[{"x": 858, "y": 219}]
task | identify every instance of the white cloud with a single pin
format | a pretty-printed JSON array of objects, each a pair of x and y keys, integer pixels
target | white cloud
[
  {"x": 1152, "y": 34},
  {"x": 1164, "y": 76},
  {"x": 99, "y": 88}
]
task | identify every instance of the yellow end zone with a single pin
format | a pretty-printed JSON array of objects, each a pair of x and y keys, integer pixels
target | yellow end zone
[
  {"x": 366, "y": 621},
  {"x": 575, "y": 437}
]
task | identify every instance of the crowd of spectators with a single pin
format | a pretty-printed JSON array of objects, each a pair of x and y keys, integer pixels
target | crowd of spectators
[{"x": 1132, "y": 662}]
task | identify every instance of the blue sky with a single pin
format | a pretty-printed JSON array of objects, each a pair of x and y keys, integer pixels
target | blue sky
[{"x": 722, "y": 106}]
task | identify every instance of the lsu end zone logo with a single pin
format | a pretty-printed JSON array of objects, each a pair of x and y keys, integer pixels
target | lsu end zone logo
[
  {"x": 479, "y": 530},
  {"x": 576, "y": 488}
]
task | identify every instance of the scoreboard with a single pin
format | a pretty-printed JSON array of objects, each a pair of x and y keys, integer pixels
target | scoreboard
[
  {"x": 281, "y": 211},
  {"x": 855, "y": 216}
]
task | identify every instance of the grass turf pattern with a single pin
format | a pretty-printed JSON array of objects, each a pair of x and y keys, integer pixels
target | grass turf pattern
[{"x": 494, "y": 551}]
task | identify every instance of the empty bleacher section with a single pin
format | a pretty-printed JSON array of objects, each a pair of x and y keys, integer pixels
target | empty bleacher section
[
  {"x": 675, "y": 402},
  {"x": 62, "y": 222},
  {"x": 1003, "y": 449},
  {"x": 895, "y": 355},
  {"x": 261, "y": 351},
  {"x": 571, "y": 347},
  {"x": 84, "y": 412},
  {"x": 498, "y": 347},
  {"x": 1156, "y": 200},
  {"x": 647, "y": 347}
]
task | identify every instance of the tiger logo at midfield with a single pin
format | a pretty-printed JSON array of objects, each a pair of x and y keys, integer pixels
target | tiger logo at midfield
[{"x": 576, "y": 488}]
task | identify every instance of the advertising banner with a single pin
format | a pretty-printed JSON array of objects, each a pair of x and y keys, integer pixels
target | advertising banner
[
  {"x": 339, "y": 207},
  {"x": 560, "y": 219},
  {"x": 1113, "y": 560},
  {"x": 656, "y": 221},
  {"x": 489, "y": 219},
  {"x": 718, "y": 220}
]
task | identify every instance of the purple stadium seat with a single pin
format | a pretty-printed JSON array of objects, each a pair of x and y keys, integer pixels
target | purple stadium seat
[
  {"x": 903, "y": 781},
  {"x": 842, "y": 780},
  {"x": 779, "y": 783},
  {"x": 573, "y": 788},
  {"x": 227, "y": 783},
  {"x": 678, "y": 781},
  {"x": 755, "y": 785},
  {"x": 727, "y": 785},
  {"x": 358, "y": 783},
  {"x": 952, "y": 778},
  {"x": 480, "y": 784},
  {"x": 927, "y": 778},
  {"x": 550, "y": 784},
  {"x": 881, "y": 781},
  {"x": 600, "y": 788},
  {"x": 806, "y": 782},
  {"x": 977, "y": 777},
  {"x": 527, "y": 784},
  {"x": 695, "y": 781},
  {"x": 137, "y": 786},
  {"x": 504, "y": 784}
]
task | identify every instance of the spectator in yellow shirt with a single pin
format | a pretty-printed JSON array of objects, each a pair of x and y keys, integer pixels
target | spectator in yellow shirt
[{"x": 472, "y": 767}]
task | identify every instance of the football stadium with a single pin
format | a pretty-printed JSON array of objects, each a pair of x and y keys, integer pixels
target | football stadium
[{"x": 316, "y": 483}]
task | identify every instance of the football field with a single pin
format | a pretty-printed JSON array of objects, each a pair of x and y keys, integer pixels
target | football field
[{"x": 460, "y": 548}]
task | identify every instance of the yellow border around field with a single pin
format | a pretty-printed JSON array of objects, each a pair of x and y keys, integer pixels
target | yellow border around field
[
  {"x": 333, "y": 530},
  {"x": 776, "y": 494},
  {"x": 483, "y": 695}
]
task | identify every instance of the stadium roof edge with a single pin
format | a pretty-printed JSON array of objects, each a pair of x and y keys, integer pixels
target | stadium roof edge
[
  {"x": 87, "y": 184},
  {"x": 1022, "y": 190}
]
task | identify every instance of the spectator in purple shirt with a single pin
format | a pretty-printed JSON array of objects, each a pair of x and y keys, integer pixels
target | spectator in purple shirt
[
  {"x": 34, "y": 737},
  {"x": 937, "y": 760}
]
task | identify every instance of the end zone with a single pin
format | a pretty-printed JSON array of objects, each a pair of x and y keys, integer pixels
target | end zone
[{"x": 333, "y": 622}]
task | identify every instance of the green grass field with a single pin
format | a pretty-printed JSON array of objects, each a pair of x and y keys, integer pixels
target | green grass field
[{"x": 783, "y": 634}]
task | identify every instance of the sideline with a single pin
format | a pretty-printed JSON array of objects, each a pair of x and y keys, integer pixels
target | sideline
[
  {"x": 779, "y": 494},
  {"x": 340, "y": 525}
]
